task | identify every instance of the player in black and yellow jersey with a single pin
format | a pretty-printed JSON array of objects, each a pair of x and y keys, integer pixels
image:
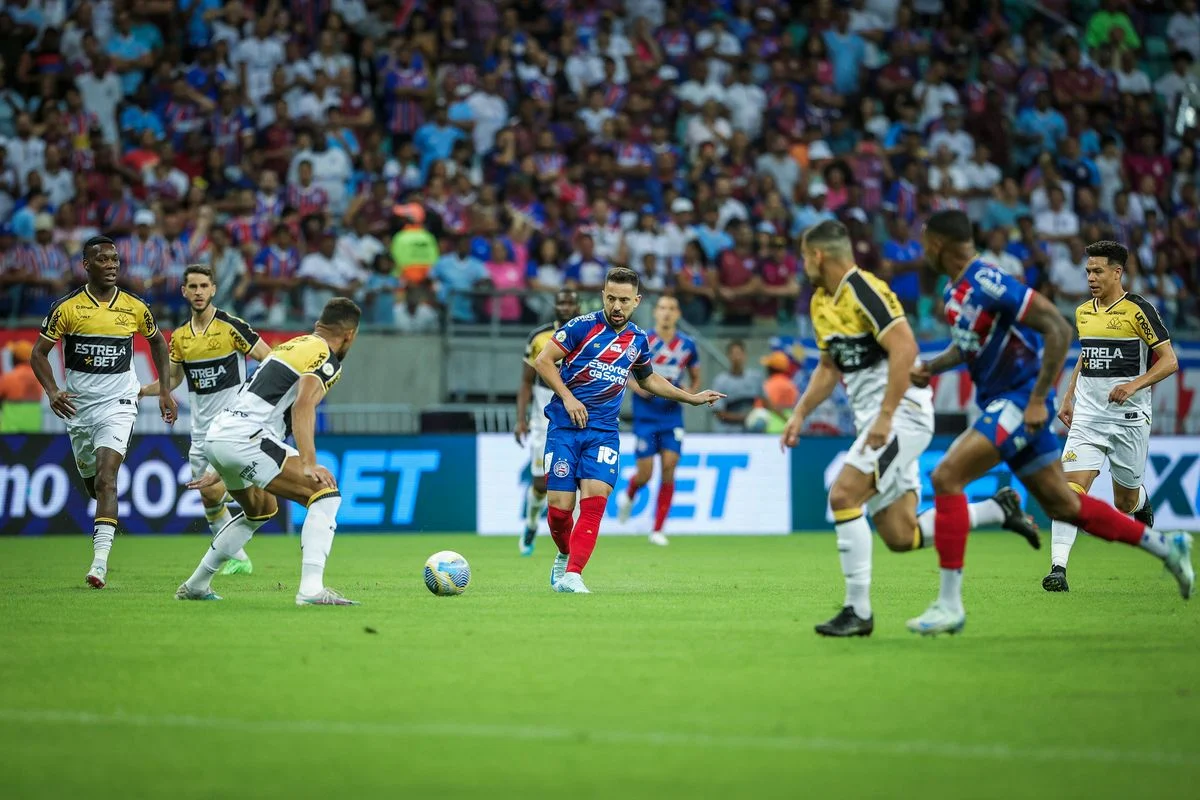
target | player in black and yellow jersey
[
  {"x": 210, "y": 352},
  {"x": 96, "y": 324},
  {"x": 246, "y": 449},
  {"x": 1124, "y": 349},
  {"x": 534, "y": 425},
  {"x": 865, "y": 339}
]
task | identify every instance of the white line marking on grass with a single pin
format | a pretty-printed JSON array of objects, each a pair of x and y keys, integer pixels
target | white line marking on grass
[{"x": 997, "y": 751}]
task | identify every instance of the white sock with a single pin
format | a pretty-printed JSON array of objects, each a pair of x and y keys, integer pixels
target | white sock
[
  {"x": 1142, "y": 501},
  {"x": 950, "y": 593},
  {"x": 218, "y": 517},
  {"x": 925, "y": 524},
  {"x": 102, "y": 540},
  {"x": 228, "y": 541},
  {"x": 316, "y": 540},
  {"x": 854, "y": 550},
  {"x": 535, "y": 504},
  {"x": 1156, "y": 543},
  {"x": 985, "y": 513},
  {"x": 1062, "y": 538}
]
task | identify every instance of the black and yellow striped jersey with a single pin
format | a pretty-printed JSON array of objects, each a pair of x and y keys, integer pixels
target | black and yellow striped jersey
[
  {"x": 265, "y": 403},
  {"x": 848, "y": 324},
  {"x": 214, "y": 364},
  {"x": 1114, "y": 348},
  {"x": 97, "y": 340},
  {"x": 537, "y": 342}
]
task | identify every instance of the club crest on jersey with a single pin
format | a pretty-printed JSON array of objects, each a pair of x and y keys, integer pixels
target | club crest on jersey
[
  {"x": 327, "y": 369},
  {"x": 561, "y": 469},
  {"x": 1114, "y": 324},
  {"x": 632, "y": 352}
]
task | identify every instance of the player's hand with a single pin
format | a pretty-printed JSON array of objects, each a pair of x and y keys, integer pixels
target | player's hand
[
  {"x": 1121, "y": 393},
  {"x": 320, "y": 476},
  {"x": 1036, "y": 415},
  {"x": 61, "y": 405},
  {"x": 879, "y": 432},
  {"x": 791, "y": 432},
  {"x": 168, "y": 408},
  {"x": 576, "y": 411},
  {"x": 1066, "y": 413},
  {"x": 521, "y": 431},
  {"x": 209, "y": 478},
  {"x": 920, "y": 374},
  {"x": 708, "y": 396}
]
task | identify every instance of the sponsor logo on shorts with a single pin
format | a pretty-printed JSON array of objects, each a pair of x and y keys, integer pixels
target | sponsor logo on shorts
[
  {"x": 1070, "y": 457},
  {"x": 248, "y": 473},
  {"x": 561, "y": 469},
  {"x": 1132, "y": 415}
]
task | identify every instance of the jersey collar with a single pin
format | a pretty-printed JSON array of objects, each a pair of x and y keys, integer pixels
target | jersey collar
[
  {"x": 92, "y": 297},
  {"x": 843, "y": 281},
  {"x": 1096, "y": 302}
]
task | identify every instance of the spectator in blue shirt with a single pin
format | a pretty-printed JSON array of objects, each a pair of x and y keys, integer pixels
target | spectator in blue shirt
[
  {"x": 902, "y": 259},
  {"x": 435, "y": 139},
  {"x": 1076, "y": 167},
  {"x": 455, "y": 275},
  {"x": 137, "y": 117},
  {"x": 129, "y": 56},
  {"x": 1039, "y": 129},
  {"x": 713, "y": 241},
  {"x": 1003, "y": 211},
  {"x": 199, "y": 31},
  {"x": 847, "y": 52}
]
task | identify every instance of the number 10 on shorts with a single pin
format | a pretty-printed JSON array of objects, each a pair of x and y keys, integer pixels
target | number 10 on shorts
[{"x": 607, "y": 455}]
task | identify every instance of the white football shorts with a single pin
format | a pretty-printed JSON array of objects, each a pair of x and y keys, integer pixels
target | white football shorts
[
  {"x": 896, "y": 466},
  {"x": 256, "y": 462},
  {"x": 538, "y": 425},
  {"x": 107, "y": 425},
  {"x": 1126, "y": 447}
]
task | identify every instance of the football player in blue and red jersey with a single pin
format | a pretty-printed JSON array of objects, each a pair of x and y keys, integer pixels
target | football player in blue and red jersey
[
  {"x": 588, "y": 370},
  {"x": 658, "y": 423},
  {"x": 1014, "y": 342}
]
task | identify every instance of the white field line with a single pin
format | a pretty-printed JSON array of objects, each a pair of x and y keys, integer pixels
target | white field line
[{"x": 996, "y": 751}]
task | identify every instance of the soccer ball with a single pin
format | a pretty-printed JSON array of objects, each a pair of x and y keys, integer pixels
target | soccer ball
[
  {"x": 447, "y": 573},
  {"x": 758, "y": 420}
]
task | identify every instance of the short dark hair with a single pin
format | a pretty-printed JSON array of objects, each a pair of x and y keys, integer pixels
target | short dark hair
[
  {"x": 340, "y": 313},
  {"x": 199, "y": 269},
  {"x": 950, "y": 224},
  {"x": 626, "y": 276},
  {"x": 828, "y": 232},
  {"x": 96, "y": 241},
  {"x": 1115, "y": 252},
  {"x": 735, "y": 343}
]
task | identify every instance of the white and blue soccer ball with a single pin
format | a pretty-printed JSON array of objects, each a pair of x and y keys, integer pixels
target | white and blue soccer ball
[
  {"x": 447, "y": 573},
  {"x": 758, "y": 420}
]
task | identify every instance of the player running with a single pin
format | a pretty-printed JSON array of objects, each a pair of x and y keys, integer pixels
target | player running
[
  {"x": 566, "y": 308},
  {"x": 245, "y": 446},
  {"x": 864, "y": 337},
  {"x": 998, "y": 328},
  {"x": 598, "y": 352},
  {"x": 1107, "y": 406},
  {"x": 96, "y": 323},
  {"x": 210, "y": 351},
  {"x": 658, "y": 423}
]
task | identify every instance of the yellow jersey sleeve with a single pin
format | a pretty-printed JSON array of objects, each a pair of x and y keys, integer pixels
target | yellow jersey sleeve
[
  {"x": 1147, "y": 323},
  {"x": 146, "y": 325},
  {"x": 60, "y": 321},
  {"x": 243, "y": 336},
  {"x": 877, "y": 303},
  {"x": 175, "y": 348}
]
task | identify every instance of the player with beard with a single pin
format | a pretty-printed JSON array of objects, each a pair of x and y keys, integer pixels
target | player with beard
[
  {"x": 588, "y": 368},
  {"x": 96, "y": 323},
  {"x": 533, "y": 427},
  {"x": 210, "y": 351}
]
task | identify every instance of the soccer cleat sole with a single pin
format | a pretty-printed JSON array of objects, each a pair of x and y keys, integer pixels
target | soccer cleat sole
[
  {"x": 95, "y": 581},
  {"x": 1055, "y": 582},
  {"x": 952, "y": 630},
  {"x": 832, "y": 633}
]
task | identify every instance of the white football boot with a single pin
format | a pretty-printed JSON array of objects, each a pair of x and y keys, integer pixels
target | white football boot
[
  {"x": 1179, "y": 563},
  {"x": 558, "y": 570},
  {"x": 938, "y": 618},
  {"x": 624, "y": 507},
  {"x": 659, "y": 538},
  {"x": 571, "y": 583},
  {"x": 96, "y": 576}
]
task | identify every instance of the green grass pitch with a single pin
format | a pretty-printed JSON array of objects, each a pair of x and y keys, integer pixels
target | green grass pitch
[{"x": 692, "y": 671}]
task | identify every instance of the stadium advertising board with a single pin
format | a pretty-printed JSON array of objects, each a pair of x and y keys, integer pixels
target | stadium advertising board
[
  {"x": 400, "y": 483},
  {"x": 41, "y": 492},
  {"x": 1172, "y": 478},
  {"x": 731, "y": 484}
]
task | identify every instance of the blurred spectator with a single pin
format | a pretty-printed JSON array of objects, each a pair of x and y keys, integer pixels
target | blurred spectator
[
  {"x": 414, "y": 249},
  {"x": 325, "y": 275},
  {"x": 1183, "y": 28},
  {"x": 456, "y": 275},
  {"x": 738, "y": 278},
  {"x": 903, "y": 259},
  {"x": 1068, "y": 285},
  {"x": 741, "y": 387},
  {"x": 229, "y": 269},
  {"x": 416, "y": 315},
  {"x": 779, "y": 392},
  {"x": 20, "y": 393},
  {"x": 996, "y": 254}
]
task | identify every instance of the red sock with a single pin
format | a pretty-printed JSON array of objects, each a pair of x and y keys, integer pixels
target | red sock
[
  {"x": 560, "y": 527},
  {"x": 665, "y": 492},
  {"x": 1100, "y": 519},
  {"x": 583, "y": 538},
  {"x": 633, "y": 488},
  {"x": 950, "y": 529}
]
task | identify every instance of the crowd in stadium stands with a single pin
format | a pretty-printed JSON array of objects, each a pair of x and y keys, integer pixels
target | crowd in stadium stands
[{"x": 415, "y": 154}]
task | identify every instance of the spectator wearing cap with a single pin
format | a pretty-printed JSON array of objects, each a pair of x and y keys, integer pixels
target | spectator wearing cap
[
  {"x": 779, "y": 392},
  {"x": 456, "y": 275},
  {"x": 413, "y": 248},
  {"x": 325, "y": 275},
  {"x": 43, "y": 267},
  {"x": 20, "y": 392}
]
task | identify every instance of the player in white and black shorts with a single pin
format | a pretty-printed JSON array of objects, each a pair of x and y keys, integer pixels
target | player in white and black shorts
[
  {"x": 533, "y": 424},
  {"x": 1124, "y": 349},
  {"x": 865, "y": 339},
  {"x": 96, "y": 324}
]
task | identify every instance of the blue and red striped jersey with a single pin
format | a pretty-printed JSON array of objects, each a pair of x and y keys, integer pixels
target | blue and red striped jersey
[
  {"x": 984, "y": 309},
  {"x": 596, "y": 368},
  {"x": 671, "y": 360}
]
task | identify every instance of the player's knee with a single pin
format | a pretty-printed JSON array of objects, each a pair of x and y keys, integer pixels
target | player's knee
[
  {"x": 897, "y": 541},
  {"x": 842, "y": 498},
  {"x": 539, "y": 484},
  {"x": 1125, "y": 503},
  {"x": 211, "y": 496},
  {"x": 945, "y": 481},
  {"x": 1062, "y": 505},
  {"x": 105, "y": 483}
]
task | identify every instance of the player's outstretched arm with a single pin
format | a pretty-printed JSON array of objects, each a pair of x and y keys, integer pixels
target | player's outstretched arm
[
  {"x": 1066, "y": 412},
  {"x": 60, "y": 401},
  {"x": 658, "y": 385},
  {"x": 1056, "y": 333},
  {"x": 820, "y": 386},
  {"x": 1165, "y": 365},
  {"x": 161, "y": 355},
  {"x": 546, "y": 365}
]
